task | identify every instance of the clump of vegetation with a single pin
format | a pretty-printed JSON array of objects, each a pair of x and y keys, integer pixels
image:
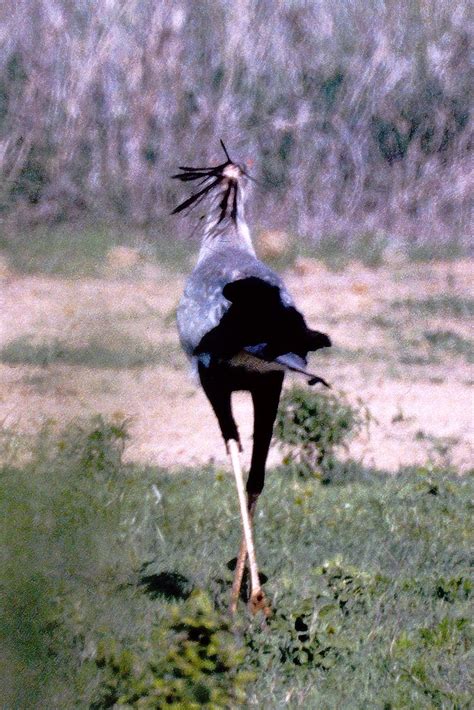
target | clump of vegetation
[
  {"x": 311, "y": 632},
  {"x": 191, "y": 661},
  {"x": 313, "y": 426}
]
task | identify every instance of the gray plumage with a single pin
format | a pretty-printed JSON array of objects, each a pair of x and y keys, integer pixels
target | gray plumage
[{"x": 203, "y": 303}]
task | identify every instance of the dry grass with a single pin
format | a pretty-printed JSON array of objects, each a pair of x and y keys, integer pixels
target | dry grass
[{"x": 80, "y": 346}]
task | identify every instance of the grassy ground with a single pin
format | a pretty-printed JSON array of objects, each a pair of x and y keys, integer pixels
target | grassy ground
[
  {"x": 114, "y": 582},
  {"x": 72, "y": 250},
  {"x": 114, "y": 575}
]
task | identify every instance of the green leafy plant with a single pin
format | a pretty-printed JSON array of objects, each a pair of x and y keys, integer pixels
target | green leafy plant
[
  {"x": 312, "y": 426},
  {"x": 317, "y": 631},
  {"x": 192, "y": 661}
]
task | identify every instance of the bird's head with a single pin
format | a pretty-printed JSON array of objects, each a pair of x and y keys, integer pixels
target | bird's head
[{"x": 226, "y": 181}]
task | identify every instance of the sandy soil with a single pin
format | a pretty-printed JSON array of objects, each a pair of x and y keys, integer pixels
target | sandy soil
[{"x": 420, "y": 396}]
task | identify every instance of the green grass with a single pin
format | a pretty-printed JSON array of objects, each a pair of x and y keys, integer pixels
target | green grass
[
  {"x": 446, "y": 251},
  {"x": 73, "y": 250},
  {"x": 368, "y": 576},
  {"x": 372, "y": 247},
  {"x": 453, "y": 306},
  {"x": 76, "y": 250},
  {"x": 451, "y": 343},
  {"x": 337, "y": 251},
  {"x": 66, "y": 250},
  {"x": 124, "y": 352}
]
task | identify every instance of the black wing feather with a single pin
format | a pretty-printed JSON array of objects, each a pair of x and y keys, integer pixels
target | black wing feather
[{"x": 258, "y": 319}]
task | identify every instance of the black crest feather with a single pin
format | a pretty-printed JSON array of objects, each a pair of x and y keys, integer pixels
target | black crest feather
[{"x": 212, "y": 175}]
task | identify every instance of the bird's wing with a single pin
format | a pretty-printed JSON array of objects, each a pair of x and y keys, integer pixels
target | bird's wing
[
  {"x": 204, "y": 304},
  {"x": 261, "y": 324}
]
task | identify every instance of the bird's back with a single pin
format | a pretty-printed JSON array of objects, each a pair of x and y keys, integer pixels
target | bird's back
[{"x": 203, "y": 303}]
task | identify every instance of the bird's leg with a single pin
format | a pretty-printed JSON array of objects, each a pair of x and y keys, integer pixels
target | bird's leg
[
  {"x": 238, "y": 576},
  {"x": 265, "y": 401},
  {"x": 265, "y": 397},
  {"x": 257, "y": 598},
  {"x": 240, "y": 565},
  {"x": 220, "y": 398}
]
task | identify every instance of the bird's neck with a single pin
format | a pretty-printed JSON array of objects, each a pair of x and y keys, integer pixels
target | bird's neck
[{"x": 225, "y": 229}]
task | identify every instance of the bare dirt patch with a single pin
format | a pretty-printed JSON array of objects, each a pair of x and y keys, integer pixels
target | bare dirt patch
[{"x": 401, "y": 345}]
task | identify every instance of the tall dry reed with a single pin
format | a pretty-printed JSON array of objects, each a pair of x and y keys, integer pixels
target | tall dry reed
[{"x": 355, "y": 114}]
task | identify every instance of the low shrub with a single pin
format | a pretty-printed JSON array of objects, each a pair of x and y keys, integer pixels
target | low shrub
[
  {"x": 191, "y": 661},
  {"x": 312, "y": 426}
]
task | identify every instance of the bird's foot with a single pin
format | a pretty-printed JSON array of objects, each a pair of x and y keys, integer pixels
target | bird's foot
[{"x": 258, "y": 602}]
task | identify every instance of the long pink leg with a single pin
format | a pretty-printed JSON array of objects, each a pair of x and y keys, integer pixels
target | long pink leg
[
  {"x": 240, "y": 566},
  {"x": 257, "y": 597}
]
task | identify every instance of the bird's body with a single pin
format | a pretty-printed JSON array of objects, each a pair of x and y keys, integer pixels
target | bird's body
[
  {"x": 203, "y": 304},
  {"x": 238, "y": 324}
]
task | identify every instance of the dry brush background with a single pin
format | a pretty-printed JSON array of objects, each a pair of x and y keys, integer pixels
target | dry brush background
[{"x": 355, "y": 114}]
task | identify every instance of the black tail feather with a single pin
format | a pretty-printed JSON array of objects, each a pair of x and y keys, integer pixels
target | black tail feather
[
  {"x": 315, "y": 379},
  {"x": 317, "y": 340}
]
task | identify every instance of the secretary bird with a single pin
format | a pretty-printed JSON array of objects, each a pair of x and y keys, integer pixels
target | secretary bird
[{"x": 239, "y": 327}]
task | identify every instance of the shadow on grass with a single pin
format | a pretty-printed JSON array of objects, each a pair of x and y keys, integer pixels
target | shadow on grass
[
  {"x": 341, "y": 473},
  {"x": 169, "y": 585},
  {"x": 124, "y": 353}
]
